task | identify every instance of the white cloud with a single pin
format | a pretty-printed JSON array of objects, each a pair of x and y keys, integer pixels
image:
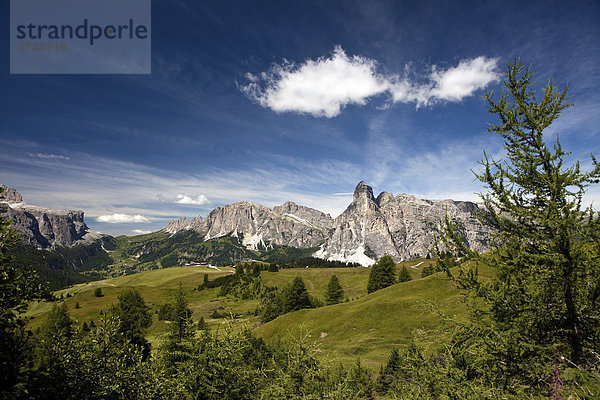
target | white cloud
[
  {"x": 464, "y": 79},
  {"x": 199, "y": 200},
  {"x": 323, "y": 87},
  {"x": 122, "y": 219},
  {"x": 140, "y": 232}
]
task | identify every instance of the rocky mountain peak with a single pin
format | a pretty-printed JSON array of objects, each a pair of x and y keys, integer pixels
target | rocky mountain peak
[
  {"x": 384, "y": 198},
  {"x": 10, "y": 195},
  {"x": 403, "y": 227},
  {"x": 363, "y": 190},
  {"x": 44, "y": 227},
  {"x": 363, "y": 198}
]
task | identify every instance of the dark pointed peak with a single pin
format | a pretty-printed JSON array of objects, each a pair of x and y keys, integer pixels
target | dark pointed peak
[{"x": 362, "y": 189}]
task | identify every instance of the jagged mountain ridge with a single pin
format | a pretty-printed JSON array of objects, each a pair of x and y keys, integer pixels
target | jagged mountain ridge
[
  {"x": 44, "y": 227},
  {"x": 260, "y": 227},
  {"x": 402, "y": 227}
]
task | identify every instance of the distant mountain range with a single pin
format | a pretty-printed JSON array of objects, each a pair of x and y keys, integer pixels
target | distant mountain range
[{"x": 403, "y": 227}]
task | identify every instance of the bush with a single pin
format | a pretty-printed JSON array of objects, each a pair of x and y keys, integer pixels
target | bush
[
  {"x": 382, "y": 274},
  {"x": 404, "y": 275},
  {"x": 428, "y": 270}
]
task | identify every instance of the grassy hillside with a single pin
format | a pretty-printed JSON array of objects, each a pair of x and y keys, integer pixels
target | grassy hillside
[
  {"x": 372, "y": 325},
  {"x": 367, "y": 326}
]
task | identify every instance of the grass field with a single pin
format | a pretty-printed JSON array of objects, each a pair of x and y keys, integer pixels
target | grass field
[{"x": 367, "y": 326}]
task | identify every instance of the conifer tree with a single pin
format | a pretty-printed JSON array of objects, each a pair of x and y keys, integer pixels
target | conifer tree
[
  {"x": 295, "y": 296},
  {"x": 182, "y": 326},
  {"x": 134, "y": 318},
  {"x": 202, "y": 325},
  {"x": 404, "y": 275},
  {"x": 545, "y": 296},
  {"x": 382, "y": 275},
  {"x": 58, "y": 322},
  {"x": 335, "y": 292}
]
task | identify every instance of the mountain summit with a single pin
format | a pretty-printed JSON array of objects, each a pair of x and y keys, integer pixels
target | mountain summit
[
  {"x": 402, "y": 227},
  {"x": 260, "y": 227},
  {"x": 44, "y": 227}
]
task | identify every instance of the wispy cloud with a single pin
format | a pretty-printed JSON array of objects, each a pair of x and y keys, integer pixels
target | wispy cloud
[
  {"x": 199, "y": 200},
  {"x": 132, "y": 189},
  {"x": 323, "y": 87},
  {"x": 122, "y": 219},
  {"x": 47, "y": 156}
]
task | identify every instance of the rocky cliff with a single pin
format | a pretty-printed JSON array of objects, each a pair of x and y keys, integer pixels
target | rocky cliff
[
  {"x": 43, "y": 227},
  {"x": 402, "y": 227},
  {"x": 260, "y": 227}
]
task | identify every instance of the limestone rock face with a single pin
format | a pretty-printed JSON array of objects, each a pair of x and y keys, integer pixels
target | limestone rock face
[
  {"x": 260, "y": 227},
  {"x": 197, "y": 224},
  {"x": 44, "y": 227},
  {"x": 10, "y": 195},
  {"x": 402, "y": 227}
]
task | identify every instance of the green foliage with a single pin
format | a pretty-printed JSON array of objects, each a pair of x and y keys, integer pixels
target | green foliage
[
  {"x": 182, "y": 326},
  {"x": 99, "y": 366},
  {"x": 60, "y": 267},
  {"x": 404, "y": 275},
  {"x": 388, "y": 374},
  {"x": 18, "y": 286},
  {"x": 295, "y": 296},
  {"x": 109, "y": 243},
  {"x": 170, "y": 249},
  {"x": 165, "y": 312},
  {"x": 313, "y": 262},
  {"x": 202, "y": 325},
  {"x": 334, "y": 293},
  {"x": 428, "y": 270},
  {"x": 286, "y": 255},
  {"x": 58, "y": 322},
  {"x": 382, "y": 274},
  {"x": 170, "y": 260},
  {"x": 544, "y": 299},
  {"x": 134, "y": 318},
  {"x": 98, "y": 292},
  {"x": 290, "y": 298},
  {"x": 246, "y": 283}
]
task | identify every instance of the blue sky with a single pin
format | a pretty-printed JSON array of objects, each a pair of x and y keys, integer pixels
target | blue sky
[{"x": 275, "y": 101}]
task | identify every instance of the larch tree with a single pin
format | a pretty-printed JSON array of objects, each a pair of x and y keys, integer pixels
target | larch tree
[{"x": 544, "y": 299}]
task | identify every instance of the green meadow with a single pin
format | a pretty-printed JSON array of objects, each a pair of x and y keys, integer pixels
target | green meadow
[{"x": 364, "y": 326}]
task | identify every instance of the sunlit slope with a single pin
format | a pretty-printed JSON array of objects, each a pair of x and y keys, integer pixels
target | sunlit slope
[
  {"x": 353, "y": 280},
  {"x": 367, "y": 326},
  {"x": 155, "y": 286},
  {"x": 372, "y": 325}
]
